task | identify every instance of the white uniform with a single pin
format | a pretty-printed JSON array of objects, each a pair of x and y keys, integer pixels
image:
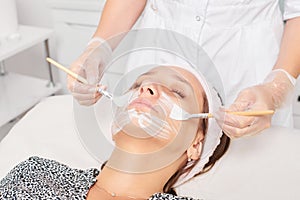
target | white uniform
[{"x": 242, "y": 37}]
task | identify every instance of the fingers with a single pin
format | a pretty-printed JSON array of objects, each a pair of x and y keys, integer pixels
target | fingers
[
  {"x": 89, "y": 102},
  {"x": 85, "y": 97},
  {"x": 90, "y": 66},
  {"x": 236, "y": 126},
  {"x": 258, "y": 125},
  {"x": 77, "y": 87},
  {"x": 237, "y": 121},
  {"x": 72, "y": 83},
  {"x": 85, "y": 94},
  {"x": 240, "y": 131},
  {"x": 242, "y": 103}
]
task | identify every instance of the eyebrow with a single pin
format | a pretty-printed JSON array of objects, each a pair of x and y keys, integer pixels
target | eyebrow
[
  {"x": 147, "y": 73},
  {"x": 177, "y": 77}
]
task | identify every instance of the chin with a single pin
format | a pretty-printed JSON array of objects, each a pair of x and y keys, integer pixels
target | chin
[{"x": 133, "y": 144}]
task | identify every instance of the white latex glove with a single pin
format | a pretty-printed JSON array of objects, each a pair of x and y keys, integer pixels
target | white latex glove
[
  {"x": 270, "y": 95},
  {"x": 90, "y": 65}
]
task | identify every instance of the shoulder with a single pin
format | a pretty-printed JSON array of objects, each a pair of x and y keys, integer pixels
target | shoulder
[
  {"x": 35, "y": 166},
  {"x": 165, "y": 196},
  {"x": 39, "y": 177}
]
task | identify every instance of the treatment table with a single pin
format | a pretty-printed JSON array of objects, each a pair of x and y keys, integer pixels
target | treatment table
[{"x": 265, "y": 166}]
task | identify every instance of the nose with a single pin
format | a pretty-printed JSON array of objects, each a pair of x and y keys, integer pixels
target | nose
[{"x": 149, "y": 90}]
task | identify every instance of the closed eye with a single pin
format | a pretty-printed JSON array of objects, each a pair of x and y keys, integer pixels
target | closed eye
[
  {"x": 178, "y": 92},
  {"x": 135, "y": 85}
]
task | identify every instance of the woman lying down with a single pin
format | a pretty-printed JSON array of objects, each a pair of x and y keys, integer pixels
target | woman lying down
[{"x": 157, "y": 147}]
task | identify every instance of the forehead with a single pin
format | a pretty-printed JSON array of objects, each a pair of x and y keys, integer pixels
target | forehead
[{"x": 178, "y": 73}]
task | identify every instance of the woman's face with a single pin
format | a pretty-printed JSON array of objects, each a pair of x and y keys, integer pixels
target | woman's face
[{"x": 154, "y": 95}]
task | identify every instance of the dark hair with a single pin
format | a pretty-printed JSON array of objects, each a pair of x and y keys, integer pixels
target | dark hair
[
  {"x": 218, "y": 153},
  {"x": 103, "y": 165}
]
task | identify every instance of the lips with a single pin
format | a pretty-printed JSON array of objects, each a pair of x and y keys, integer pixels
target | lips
[{"x": 141, "y": 103}]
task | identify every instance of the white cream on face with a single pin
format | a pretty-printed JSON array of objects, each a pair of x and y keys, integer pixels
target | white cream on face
[{"x": 150, "y": 124}]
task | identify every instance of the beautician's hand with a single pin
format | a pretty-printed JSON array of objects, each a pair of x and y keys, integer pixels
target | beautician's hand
[
  {"x": 270, "y": 95},
  {"x": 90, "y": 65}
]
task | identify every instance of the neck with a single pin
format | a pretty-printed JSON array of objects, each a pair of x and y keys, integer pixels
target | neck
[{"x": 140, "y": 185}]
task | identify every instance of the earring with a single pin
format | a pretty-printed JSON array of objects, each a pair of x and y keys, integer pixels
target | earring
[{"x": 189, "y": 159}]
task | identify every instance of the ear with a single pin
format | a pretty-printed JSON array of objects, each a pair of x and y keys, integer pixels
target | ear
[{"x": 194, "y": 151}]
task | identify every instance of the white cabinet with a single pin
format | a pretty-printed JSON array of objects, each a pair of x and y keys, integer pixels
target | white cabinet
[
  {"x": 73, "y": 31},
  {"x": 18, "y": 93},
  {"x": 75, "y": 21},
  {"x": 74, "y": 24}
]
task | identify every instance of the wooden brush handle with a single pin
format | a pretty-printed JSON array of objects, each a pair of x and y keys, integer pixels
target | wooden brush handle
[
  {"x": 74, "y": 75},
  {"x": 252, "y": 113}
]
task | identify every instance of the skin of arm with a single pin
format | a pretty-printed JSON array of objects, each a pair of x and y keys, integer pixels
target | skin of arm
[
  {"x": 118, "y": 16},
  {"x": 289, "y": 55}
]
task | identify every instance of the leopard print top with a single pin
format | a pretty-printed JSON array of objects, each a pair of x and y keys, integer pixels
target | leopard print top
[{"x": 39, "y": 178}]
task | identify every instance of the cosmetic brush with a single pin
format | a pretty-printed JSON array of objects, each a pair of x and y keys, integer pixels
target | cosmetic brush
[{"x": 117, "y": 100}]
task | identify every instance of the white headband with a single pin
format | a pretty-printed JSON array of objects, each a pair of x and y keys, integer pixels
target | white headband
[{"x": 214, "y": 132}]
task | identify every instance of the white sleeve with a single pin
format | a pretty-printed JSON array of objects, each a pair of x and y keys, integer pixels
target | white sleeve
[{"x": 291, "y": 9}]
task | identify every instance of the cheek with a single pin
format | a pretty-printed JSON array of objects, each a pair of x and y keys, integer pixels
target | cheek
[
  {"x": 192, "y": 106},
  {"x": 175, "y": 124},
  {"x": 181, "y": 128},
  {"x": 191, "y": 125}
]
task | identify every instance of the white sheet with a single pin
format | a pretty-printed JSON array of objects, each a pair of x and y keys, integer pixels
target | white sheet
[
  {"x": 263, "y": 167},
  {"x": 48, "y": 131}
]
